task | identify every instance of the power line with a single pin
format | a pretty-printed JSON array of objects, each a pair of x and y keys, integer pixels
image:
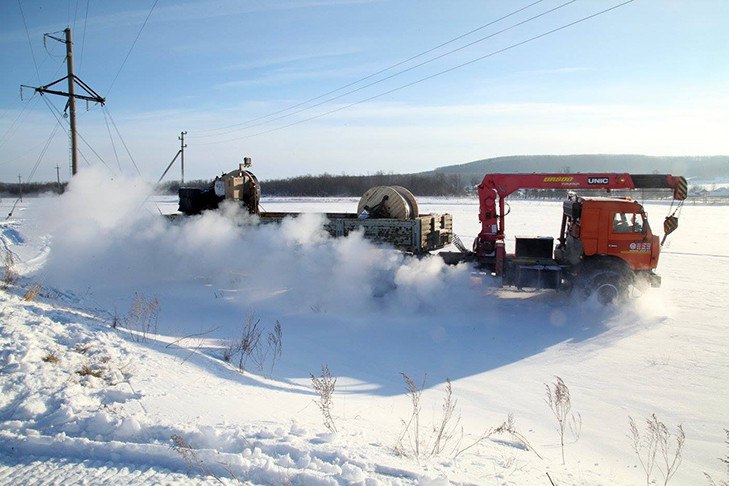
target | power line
[
  {"x": 8, "y": 133},
  {"x": 518, "y": 24},
  {"x": 35, "y": 167},
  {"x": 53, "y": 109},
  {"x": 131, "y": 48},
  {"x": 122, "y": 141},
  {"x": 111, "y": 139},
  {"x": 373, "y": 74},
  {"x": 75, "y": 14},
  {"x": 42, "y": 154},
  {"x": 30, "y": 44},
  {"x": 491, "y": 54},
  {"x": 83, "y": 39}
]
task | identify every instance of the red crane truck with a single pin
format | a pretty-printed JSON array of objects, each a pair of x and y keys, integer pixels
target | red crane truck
[{"x": 605, "y": 243}]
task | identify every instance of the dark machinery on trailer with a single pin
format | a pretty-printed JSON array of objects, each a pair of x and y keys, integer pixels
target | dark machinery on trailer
[
  {"x": 386, "y": 214},
  {"x": 605, "y": 243}
]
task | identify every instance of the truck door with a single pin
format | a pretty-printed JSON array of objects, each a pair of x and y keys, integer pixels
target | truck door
[{"x": 629, "y": 239}]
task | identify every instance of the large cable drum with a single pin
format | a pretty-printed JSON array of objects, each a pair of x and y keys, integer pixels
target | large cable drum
[
  {"x": 241, "y": 185},
  {"x": 388, "y": 202}
]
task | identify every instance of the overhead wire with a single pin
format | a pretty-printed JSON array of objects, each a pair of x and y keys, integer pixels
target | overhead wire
[
  {"x": 111, "y": 139},
  {"x": 131, "y": 48},
  {"x": 30, "y": 44},
  {"x": 136, "y": 167},
  {"x": 400, "y": 63},
  {"x": 83, "y": 39},
  {"x": 30, "y": 177},
  {"x": 418, "y": 81},
  {"x": 56, "y": 112},
  {"x": 9, "y": 132},
  {"x": 75, "y": 15},
  {"x": 402, "y": 71},
  {"x": 43, "y": 153}
]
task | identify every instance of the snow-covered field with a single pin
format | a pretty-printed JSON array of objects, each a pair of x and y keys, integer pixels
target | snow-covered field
[{"x": 85, "y": 400}]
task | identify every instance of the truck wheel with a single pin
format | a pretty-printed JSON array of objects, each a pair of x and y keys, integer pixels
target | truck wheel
[{"x": 609, "y": 288}]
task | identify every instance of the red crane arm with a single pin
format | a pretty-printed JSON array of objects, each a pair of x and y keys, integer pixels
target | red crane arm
[{"x": 499, "y": 186}]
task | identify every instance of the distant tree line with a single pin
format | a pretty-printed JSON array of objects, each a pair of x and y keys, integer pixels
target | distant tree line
[
  {"x": 172, "y": 187},
  {"x": 327, "y": 185},
  {"x": 13, "y": 189}
]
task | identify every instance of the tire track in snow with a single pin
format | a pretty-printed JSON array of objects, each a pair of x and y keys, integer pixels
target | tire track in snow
[
  {"x": 51, "y": 470},
  {"x": 706, "y": 255}
]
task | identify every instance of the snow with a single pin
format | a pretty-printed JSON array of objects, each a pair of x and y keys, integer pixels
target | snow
[{"x": 85, "y": 399}]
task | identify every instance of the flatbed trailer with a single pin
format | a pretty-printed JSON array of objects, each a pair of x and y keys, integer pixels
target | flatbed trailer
[{"x": 419, "y": 235}]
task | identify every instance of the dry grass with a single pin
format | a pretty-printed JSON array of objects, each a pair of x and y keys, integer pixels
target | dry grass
[
  {"x": 725, "y": 460},
  {"x": 443, "y": 435},
  {"x": 559, "y": 401},
  {"x": 188, "y": 454},
  {"x": 251, "y": 345},
  {"x": 142, "y": 316},
  {"x": 324, "y": 387},
  {"x": 10, "y": 276},
  {"x": 86, "y": 370},
  {"x": 32, "y": 293},
  {"x": 654, "y": 449},
  {"x": 51, "y": 357}
]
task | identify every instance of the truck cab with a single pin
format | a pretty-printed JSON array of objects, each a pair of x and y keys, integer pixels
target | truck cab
[{"x": 608, "y": 234}]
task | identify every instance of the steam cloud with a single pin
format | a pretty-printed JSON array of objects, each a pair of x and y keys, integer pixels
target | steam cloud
[{"x": 113, "y": 243}]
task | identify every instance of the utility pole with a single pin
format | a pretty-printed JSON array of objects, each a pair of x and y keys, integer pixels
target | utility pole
[
  {"x": 20, "y": 187},
  {"x": 58, "y": 178},
  {"x": 73, "y": 81},
  {"x": 71, "y": 101},
  {"x": 180, "y": 153},
  {"x": 181, "y": 138}
]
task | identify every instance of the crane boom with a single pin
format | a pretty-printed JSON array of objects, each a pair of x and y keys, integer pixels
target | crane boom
[{"x": 498, "y": 186}]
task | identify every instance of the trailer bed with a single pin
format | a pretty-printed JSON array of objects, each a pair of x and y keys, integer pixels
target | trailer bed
[
  {"x": 422, "y": 234},
  {"x": 427, "y": 232}
]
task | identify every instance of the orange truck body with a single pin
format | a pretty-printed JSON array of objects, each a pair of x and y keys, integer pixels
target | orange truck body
[{"x": 605, "y": 245}]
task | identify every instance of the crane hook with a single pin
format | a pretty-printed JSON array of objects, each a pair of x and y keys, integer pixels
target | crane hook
[{"x": 669, "y": 226}]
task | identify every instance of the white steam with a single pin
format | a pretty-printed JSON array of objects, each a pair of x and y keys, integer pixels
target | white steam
[{"x": 106, "y": 240}]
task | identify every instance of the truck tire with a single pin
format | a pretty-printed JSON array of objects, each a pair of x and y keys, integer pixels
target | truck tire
[{"x": 609, "y": 287}]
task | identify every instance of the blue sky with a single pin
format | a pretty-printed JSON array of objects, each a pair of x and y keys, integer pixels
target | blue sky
[{"x": 649, "y": 77}]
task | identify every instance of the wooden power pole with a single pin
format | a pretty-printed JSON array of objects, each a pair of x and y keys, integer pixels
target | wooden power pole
[
  {"x": 73, "y": 81},
  {"x": 71, "y": 101},
  {"x": 182, "y": 155}
]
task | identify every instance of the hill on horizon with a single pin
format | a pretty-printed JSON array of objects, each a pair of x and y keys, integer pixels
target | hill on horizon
[{"x": 691, "y": 167}]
